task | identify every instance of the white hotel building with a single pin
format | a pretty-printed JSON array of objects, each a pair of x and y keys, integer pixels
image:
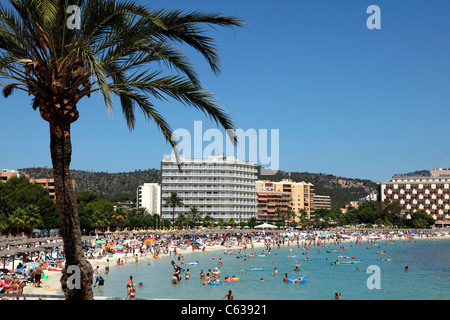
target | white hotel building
[
  {"x": 149, "y": 197},
  {"x": 222, "y": 187},
  {"x": 430, "y": 192}
]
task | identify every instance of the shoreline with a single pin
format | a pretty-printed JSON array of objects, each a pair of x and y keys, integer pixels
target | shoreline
[{"x": 52, "y": 286}]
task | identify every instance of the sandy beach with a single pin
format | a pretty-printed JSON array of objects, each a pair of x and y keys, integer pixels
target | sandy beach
[{"x": 52, "y": 286}]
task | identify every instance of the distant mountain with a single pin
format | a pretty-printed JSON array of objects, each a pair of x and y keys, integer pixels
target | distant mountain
[
  {"x": 122, "y": 186},
  {"x": 119, "y": 186}
]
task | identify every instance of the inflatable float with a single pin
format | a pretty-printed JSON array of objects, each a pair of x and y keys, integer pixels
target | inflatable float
[
  {"x": 214, "y": 283},
  {"x": 255, "y": 269},
  {"x": 298, "y": 280}
]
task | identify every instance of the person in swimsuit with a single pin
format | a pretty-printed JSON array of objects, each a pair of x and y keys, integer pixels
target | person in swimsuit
[
  {"x": 229, "y": 295},
  {"x": 129, "y": 285},
  {"x": 132, "y": 293}
]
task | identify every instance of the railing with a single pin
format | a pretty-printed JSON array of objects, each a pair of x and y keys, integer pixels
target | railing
[
  {"x": 242, "y": 189},
  {"x": 219, "y": 195},
  {"x": 206, "y": 174}
]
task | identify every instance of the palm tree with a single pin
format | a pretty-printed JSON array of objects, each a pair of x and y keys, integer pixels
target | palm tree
[
  {"x": 208, "y": 221},
  {"x": 194, "y": 215},
  {"x": 119, "y": 216},
  {"x": 99, "y": 219},
  {"x": 4, "y": 223},
  {"x": 182, "y": 220},
  {"x": 32, "y": 217},
  {"x": 18, "y": 219},
  {"x": 304, "y": 218},
  {"x": 115, "y": 52},
  {"x": 174, "y": 201}
]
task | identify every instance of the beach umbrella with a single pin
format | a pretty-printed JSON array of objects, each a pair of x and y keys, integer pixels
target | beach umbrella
[{"x": 265, "y": 226}]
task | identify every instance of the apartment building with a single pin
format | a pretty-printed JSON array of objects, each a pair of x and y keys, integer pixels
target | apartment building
[
  {"x": 222, "y": 187},
  {"x": 322, "y": 202},
  {"x": 271, "y": 202},
  {"x": 302, "y": 194},
  {"x": 149, "y": 197},
  {"x": 7, "y": 174},
  {"x": 49, "y": 184},
  {"x": 429, "y": 191}
]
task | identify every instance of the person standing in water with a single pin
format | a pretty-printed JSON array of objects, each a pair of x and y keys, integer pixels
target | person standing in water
[{"x": 229, "y": 295}]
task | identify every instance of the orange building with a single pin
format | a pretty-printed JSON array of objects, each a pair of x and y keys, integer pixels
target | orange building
[
  {"x": 301, "y": 194},
  {"x": 271, "y": 202},
  {"x": 6, "y": 174}
]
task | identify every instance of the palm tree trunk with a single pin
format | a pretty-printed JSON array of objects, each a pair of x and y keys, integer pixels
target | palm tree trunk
[
  {"x": 61, "y": 152},
  {"x": 173, "y": 214}
]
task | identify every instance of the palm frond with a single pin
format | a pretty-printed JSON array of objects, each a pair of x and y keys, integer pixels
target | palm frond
[{"x": 122, "y": 49}]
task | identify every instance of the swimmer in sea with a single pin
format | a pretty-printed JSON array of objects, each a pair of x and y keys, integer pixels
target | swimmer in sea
[{"x": 229, "y": 295}]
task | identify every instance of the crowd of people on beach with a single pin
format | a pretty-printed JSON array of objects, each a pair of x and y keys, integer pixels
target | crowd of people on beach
[{"x": 102, "y": 249}]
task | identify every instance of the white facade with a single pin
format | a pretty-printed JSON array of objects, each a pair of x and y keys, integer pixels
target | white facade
[
  {"x": 149, "y": 197},
  {"x": 221, "y": 187}
]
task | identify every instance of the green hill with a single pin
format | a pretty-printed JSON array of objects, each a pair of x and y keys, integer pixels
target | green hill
[{"x": 120, "y": 186}]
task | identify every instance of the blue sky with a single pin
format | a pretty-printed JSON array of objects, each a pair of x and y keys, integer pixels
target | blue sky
[{"x": 347, "y": 100}]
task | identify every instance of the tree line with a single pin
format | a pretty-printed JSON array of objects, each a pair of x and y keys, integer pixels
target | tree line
[
  {"x": 386, "y": 213},
  {"x": 25, "y": 206}
]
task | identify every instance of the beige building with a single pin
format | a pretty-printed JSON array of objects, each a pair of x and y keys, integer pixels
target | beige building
[
  {"x": 322, "y": 202},
  {"x": 302, "y": 194}
]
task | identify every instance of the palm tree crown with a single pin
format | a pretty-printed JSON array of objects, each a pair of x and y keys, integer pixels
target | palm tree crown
[
  {"x": 117, "y": 52},
  {"x": 174, "y": 201}
]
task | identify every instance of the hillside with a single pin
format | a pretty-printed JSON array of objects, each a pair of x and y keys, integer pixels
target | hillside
[
  {"x": 119, "y": 186},
  {"x": 122, "y": 186}
]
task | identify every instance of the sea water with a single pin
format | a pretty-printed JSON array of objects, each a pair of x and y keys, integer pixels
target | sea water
[{"x": 427, "y": 278}]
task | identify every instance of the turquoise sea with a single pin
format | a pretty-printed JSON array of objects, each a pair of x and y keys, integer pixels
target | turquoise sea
[{"x": 427, "y": 278}]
